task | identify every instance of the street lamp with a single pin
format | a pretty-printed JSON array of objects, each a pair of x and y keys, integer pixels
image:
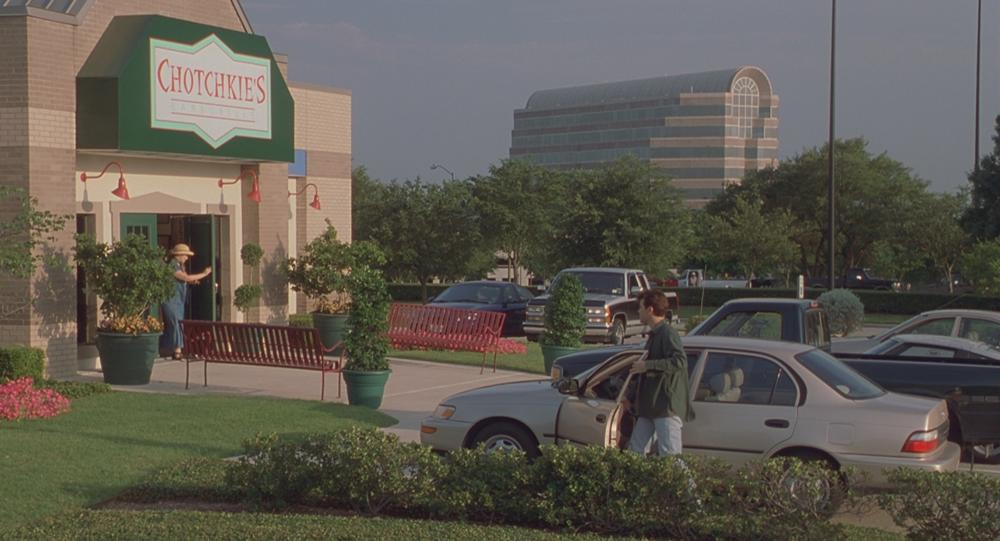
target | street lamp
[
  {"x": 830, "y": 187},
  {"x": 446, "y": 170},
  {"x": 979, "y": 49}
]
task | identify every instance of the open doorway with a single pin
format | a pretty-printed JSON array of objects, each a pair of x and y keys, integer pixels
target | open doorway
[{"x": 201, "y": 233}]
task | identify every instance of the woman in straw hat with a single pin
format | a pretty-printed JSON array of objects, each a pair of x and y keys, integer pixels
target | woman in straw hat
[{"x": 173, "y": 309}]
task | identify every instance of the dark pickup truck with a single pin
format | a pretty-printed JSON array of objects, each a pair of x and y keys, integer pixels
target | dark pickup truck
[
  {"x": 856, "y": 278},
  {"x": 970, "y": 387}
]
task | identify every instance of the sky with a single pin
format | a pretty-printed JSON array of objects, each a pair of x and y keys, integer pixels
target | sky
[{"x": 437, "y": 81}]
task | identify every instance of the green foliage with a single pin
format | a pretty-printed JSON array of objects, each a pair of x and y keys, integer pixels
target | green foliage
[
  {"x": 693, "y": 322},
  {"x": 942, "y": 239},
  {"x": 845, "y": 310},
  {"x": 954, "y": 506},
  {"x": 366, "y": 343},
  {"x": 487, "y": 487},
  {"x": 199, "y": 478},
  {"x": 365, "y": 470},
  {"x": 23, "y": 230},
  {"x": 251, "y": 254},
  {"x": 245, "y": 296},
  {"x": 749, "y": 238},
  {"x": 19, "y": 361},
  {"x": 415, "y": 292},
  {"x": 622, "y": 215},
  {"x": 982, "y": 219},
  {"x": 321, "y": 272},
  {"x": 981, "y": 267},
  {"x": 565, "y": 316},
  {"x": 129, "y": 275},
  {"x": 416, "y": 224},
  {"x": 76, "y": 389},
  {"x": 300, "y": 320},
  {"x": 869, "y": 188}
]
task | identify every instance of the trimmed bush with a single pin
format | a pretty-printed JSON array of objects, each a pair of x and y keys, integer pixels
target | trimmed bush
[
  {"x": 565, "y": 316},
  {"x": 21, "y": 362},
  {"x": 75, "y": 389},
  {"x": 956, "y": 506},
  {"x": 845, "y": 310},
  {"x": 300, "y": 320},
  {"x": 486, "y": 487}
]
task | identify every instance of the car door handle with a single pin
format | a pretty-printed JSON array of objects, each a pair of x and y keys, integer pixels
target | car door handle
[
  {"x": 601, "y": 418},
  {"x": 776, "y": 423}
]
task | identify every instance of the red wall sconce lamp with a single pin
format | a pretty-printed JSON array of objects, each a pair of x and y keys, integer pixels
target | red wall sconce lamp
[
  {"x": 121, "y": 191},
  {"x": 315, "y": 202},
  {"x": 254, "y": 194}
]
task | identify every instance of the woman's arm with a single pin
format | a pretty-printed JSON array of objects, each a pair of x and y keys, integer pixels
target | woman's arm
[{"x": 191, "y": 278}]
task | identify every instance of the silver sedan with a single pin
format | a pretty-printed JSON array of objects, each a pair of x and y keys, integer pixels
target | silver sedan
[
  {"x": 753, "y": 399},
  {"x": 979, "y": 325}
]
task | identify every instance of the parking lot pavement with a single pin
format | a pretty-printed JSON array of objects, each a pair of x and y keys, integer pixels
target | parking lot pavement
[{"x": 414, "y": 389}]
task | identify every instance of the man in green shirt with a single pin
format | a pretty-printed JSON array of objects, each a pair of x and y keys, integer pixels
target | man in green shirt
[{"x": 663, "y": 400}]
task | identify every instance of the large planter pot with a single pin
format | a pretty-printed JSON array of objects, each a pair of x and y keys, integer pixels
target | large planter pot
[
  {"x": 332, "y": 328},
  {"x": 551, "y": 353},
  {"x": 127, "y": 359},
  {"x": 365, "y": 388}
]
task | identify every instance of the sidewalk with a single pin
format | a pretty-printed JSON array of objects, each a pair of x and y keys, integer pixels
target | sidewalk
[{"x": 414, "y": 389}]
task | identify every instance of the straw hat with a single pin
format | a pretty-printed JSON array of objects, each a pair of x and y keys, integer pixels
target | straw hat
[{"x": 181, "y": 249}]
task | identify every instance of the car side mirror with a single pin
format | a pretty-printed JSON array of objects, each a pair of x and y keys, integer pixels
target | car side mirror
[
  {"x": 635, "y": 291},
  {"x": 568, "y": 386}
]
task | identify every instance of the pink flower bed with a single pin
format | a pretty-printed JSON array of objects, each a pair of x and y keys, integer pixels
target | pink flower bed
[{"x": 20, "y": 400}]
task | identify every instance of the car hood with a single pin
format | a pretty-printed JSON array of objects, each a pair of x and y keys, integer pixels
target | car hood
[
  {"x": 589, "y": 299},
  {"x": 536, "y": 392},
  {"x": 468, "y": 306}
]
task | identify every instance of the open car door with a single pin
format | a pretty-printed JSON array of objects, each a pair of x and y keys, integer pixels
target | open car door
[{"x": 593, "y": 415}]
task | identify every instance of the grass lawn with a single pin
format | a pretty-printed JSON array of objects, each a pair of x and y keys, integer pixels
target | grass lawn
[
  {"x": 110, "y": 441},
  {"x": 156, "y": 525},
  {"x": 527, "y": 362}
]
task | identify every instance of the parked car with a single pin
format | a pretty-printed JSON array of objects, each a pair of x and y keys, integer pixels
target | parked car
[
  {"x": 981, "y": 325},
  {"x": 611, "y": 300},
  {"x": 753, "y": 399},
  {"x": 489, "y": 296},
  {"x": 932, "y": 346},
  {"x": 791, "y": 320}
]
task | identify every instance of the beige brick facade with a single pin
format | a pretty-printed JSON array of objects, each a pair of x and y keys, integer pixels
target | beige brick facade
[{"x": 38, "y": 109}]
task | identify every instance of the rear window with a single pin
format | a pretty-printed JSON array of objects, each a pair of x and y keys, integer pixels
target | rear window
[
  {"x": 840, "y": 377},
  {"x": 600, "y": 283},
  {"x": 750, "y": 324}
]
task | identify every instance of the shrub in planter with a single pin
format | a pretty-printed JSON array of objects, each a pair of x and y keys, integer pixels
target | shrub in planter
[
  {"x": 21, "y": 361},
  {"x": 366, "y": 345},
  {"x": 955, "y": 506},
  {"x": 247, "y": 294},
  {"x": 320, "y": 273},
  {"x": 130, "y": 276},
  {"x": 565, "y": 320},
  {"x": 845, "y": 310}
]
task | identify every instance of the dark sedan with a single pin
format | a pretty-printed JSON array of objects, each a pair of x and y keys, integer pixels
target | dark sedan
[{"x": 489, "y": 296}]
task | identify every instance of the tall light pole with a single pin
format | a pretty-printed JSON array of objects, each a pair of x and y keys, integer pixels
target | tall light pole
[
  {"x": 446, "y": 170},
  {"x": 979, "y": 49},
  {"x": 830, "y": 186}
]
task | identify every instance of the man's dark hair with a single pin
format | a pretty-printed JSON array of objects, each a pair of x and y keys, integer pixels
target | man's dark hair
[{"x": 657, "y": 300}]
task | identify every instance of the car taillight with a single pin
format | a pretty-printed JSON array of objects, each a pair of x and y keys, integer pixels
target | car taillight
[{"x": 925, "y": 442}]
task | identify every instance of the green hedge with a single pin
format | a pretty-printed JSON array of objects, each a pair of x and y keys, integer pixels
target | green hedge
[
  {"x": 76, "y": 389},
  {"x": 18, "y": 361},
  {"x": 876, "y": 302},
  {"x": 593, "y": 489},
  {"x": 955, "y": 506}
]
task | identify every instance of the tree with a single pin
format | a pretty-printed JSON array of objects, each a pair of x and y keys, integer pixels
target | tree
[
  {"x": 981, "y": 266},
  {"x": 870, "y": 188},
  {"x": 982, "y": 219},
  {"x": 623, "y": 215},
  {"x": 513, "y": 203},
  {"x": 749, "y": 238},
  {"x": 942, "y": 238},
  {"x": 427, "y": 231}
]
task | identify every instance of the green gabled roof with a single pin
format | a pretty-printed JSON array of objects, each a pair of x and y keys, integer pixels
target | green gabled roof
[{"x": 635, "y": 90}]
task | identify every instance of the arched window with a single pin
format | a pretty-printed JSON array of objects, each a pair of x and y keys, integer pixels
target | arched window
[{"x": 746, "y": 103}]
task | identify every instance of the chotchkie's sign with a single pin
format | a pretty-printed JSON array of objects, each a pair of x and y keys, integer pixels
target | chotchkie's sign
[{"x": 207, "y": 89}]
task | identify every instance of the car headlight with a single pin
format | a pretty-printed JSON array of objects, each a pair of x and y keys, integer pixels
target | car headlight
[
  {"x": 556, "y": 372},
  {"x": 595, "y": 311},
  {"x": 444, "y": 412},
  {"x": 535, "y": 310}
]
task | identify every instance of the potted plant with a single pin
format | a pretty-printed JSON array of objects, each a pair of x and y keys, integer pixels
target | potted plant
[
  {"x": 565, "y": 321},
  {"x": 366, "y": 345},
  {"x": 129, "y": 276},
  {"x": 321, "y": 274}
]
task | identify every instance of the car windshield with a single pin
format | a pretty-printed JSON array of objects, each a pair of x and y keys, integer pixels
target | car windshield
[
  {"x": 601, "y": 283},
  {"x": 479, "y": 293},
  {"x": 839, "y": 376}
]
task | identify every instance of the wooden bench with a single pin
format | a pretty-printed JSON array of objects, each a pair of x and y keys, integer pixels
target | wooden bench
[
  {"x": 431, "y": 327},
  {"x": 259, "y": 345}
]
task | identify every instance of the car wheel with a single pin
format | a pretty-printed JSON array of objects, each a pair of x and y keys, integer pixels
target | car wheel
[
  {"x": 824, "y": 495},
  {"x": 505, "y": 437},
  {"x": 617, "y": 333},
  {"x": 986, "y": 454}
]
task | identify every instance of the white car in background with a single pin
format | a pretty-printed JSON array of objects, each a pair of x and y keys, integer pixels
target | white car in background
[{"x": 979, "y": 325}]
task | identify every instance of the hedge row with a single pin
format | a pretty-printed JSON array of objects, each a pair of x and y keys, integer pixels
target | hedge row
[
  {"x": 18, "y": 362},
  {"x": 956, "y": 506},
  {"x": 591, "y": 489},
  {"x": 876, "y": 302}
]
